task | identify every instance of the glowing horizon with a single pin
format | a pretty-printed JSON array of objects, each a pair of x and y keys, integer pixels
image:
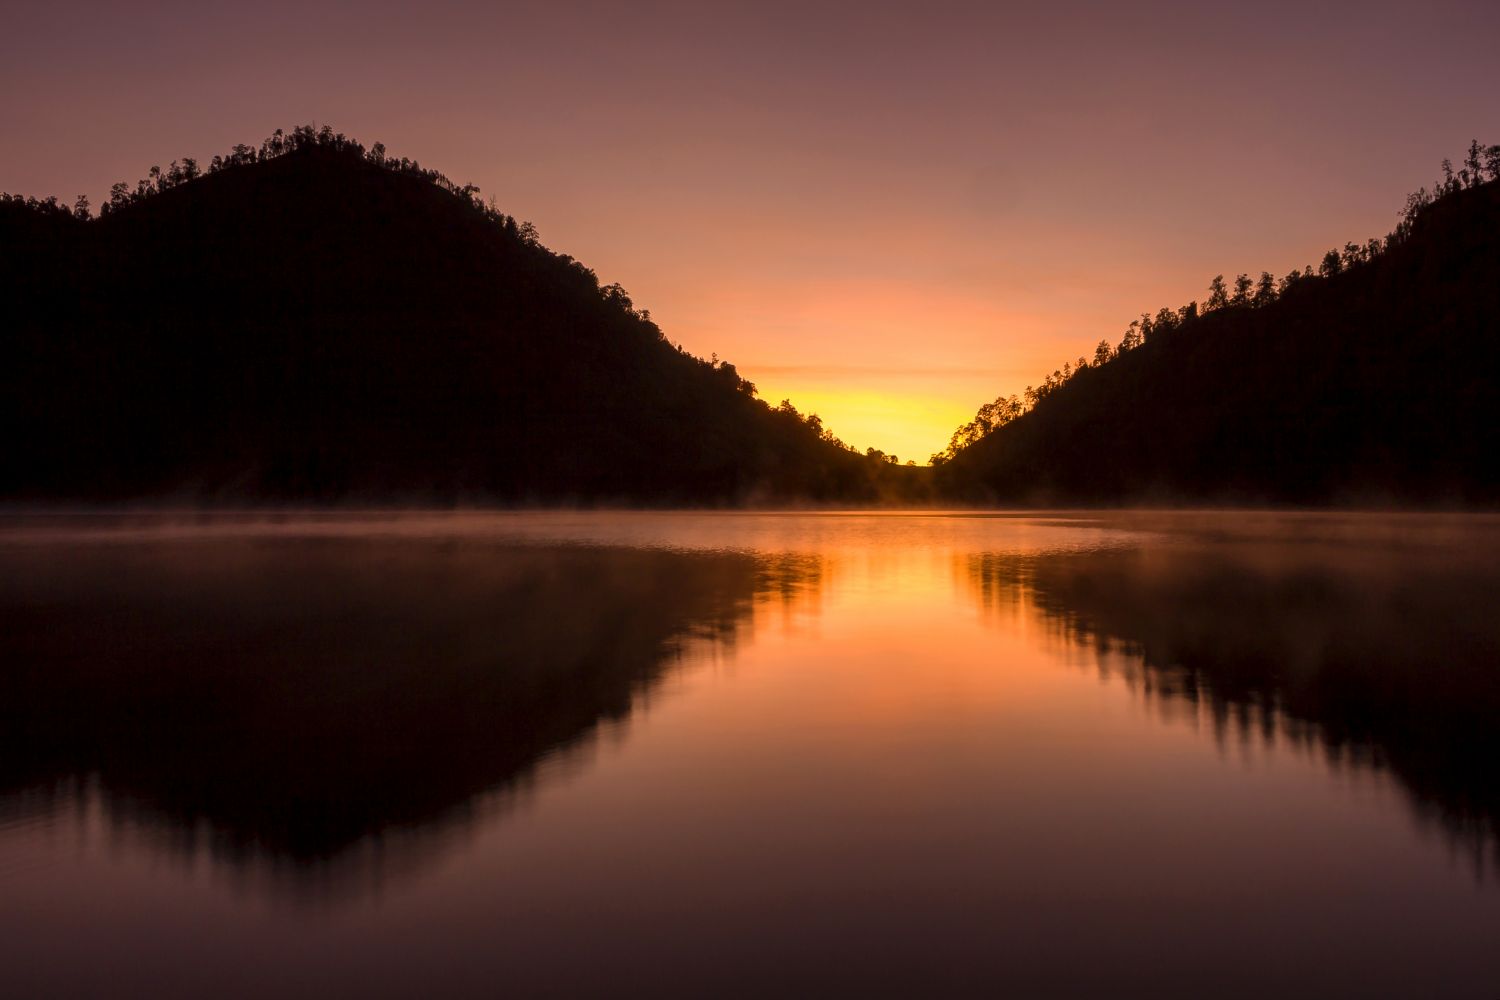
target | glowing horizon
[{"x": 888, "y": 217}]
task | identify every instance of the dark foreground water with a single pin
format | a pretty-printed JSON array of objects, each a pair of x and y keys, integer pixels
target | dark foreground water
[{"x": 750, "y": 754}]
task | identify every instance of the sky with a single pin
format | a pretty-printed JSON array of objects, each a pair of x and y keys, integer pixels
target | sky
[{"x": 888, "y": 213}]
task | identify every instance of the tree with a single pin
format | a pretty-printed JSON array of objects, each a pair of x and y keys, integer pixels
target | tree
[
  {"x": 1242, "y": 285},
  {"x": 1103, "y": 354},
  {"x": 1218, "y": 295},
  {"x": 1473, "y": 168},
  {"x": 1265, "y": 290},
  {"x": 81, "y": 208},
  {"x": 1415, "y": 203}
]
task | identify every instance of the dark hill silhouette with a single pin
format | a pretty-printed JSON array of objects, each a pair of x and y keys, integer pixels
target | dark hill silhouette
[
  {"x": 310, "y": 320},
  {"x": 1369, "y": 380}
]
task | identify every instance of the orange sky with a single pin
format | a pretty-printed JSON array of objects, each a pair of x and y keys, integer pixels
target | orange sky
[{"x": 889, "y": 213}]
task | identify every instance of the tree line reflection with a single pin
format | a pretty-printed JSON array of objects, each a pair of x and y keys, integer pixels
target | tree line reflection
[
  {"x": 326, "y": 714},
  {"x": 321, "y": 715},
  {"x": 1372, "y": 658}
]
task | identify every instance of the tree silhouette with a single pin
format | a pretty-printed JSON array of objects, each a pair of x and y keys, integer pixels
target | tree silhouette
[
  {"x": 311, "y": 319},
  {"x": 1242, "y": 286},
  {"x": 1378, "y": 452},
  {"x": 1218, "y": 295},
  {"x": 1265, "y": 290}
]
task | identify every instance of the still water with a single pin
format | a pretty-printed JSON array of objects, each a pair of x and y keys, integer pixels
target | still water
[{"x": 750, "y": 754}]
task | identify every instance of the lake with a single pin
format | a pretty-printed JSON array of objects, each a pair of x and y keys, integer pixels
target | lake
[{"x": 720, "y": 754}]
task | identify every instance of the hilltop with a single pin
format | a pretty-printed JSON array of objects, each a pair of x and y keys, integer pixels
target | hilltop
[
  {"x": 312, "y": 320},
  {"x": 1369, "y": 379}
]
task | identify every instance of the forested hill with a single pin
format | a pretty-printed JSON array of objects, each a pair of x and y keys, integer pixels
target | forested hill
[
  {"x": 1370, "y": 379},
  {"x": 311, "y": 320}
]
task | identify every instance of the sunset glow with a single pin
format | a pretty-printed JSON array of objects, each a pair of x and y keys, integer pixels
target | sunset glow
[
  {"x": 739, "y": 498},
  {"x": 899, "y": 208}
]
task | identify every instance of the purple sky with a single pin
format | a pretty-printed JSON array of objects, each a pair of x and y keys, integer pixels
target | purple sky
[{"x": 889, "y": 213}]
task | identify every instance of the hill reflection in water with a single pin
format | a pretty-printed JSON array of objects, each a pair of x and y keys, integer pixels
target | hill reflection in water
[
  {"x": 347, "y": 754},
  {"x": 1374, "y": 640},
  {"x": 321, "y": 714}
]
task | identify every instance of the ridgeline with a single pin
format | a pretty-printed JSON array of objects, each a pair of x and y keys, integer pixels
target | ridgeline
[
  {"x": 312, "y": 321},
  {"x": 1369, "y": 381},
  {"x": 308, "y": 320}
]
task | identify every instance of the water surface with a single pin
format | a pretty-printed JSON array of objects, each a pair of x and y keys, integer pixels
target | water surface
[{"x": 740, "y": 754}]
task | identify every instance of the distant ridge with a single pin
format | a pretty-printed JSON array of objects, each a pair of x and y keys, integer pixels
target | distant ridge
[
  {"x": 311, "y": 320},
  {"x": 1369, "y": 380}
]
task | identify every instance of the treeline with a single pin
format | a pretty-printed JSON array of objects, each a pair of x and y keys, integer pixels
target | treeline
[
  {"x": 424, "y": 674},
  {"x": 308, "y": 138},
  {"x": 1480, "y": 166},
  {"x": 1224, "y": 623},
  {"x": 304, "y": 139},
  {"x": 1367, "y": 379},
  {"x": 312, "y": 319},
  {"x": 280, "y": 143}
]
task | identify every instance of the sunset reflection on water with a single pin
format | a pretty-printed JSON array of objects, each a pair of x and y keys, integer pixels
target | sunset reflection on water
[{"x": 737, "y": 753}]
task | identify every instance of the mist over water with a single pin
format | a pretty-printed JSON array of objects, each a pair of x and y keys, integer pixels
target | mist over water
[{"x": 730, "y": 753}]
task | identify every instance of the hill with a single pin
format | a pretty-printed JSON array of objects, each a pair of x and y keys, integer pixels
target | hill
[
  {"x": 311, "y": 320},
  {"x": 1369, "y": 380}
]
